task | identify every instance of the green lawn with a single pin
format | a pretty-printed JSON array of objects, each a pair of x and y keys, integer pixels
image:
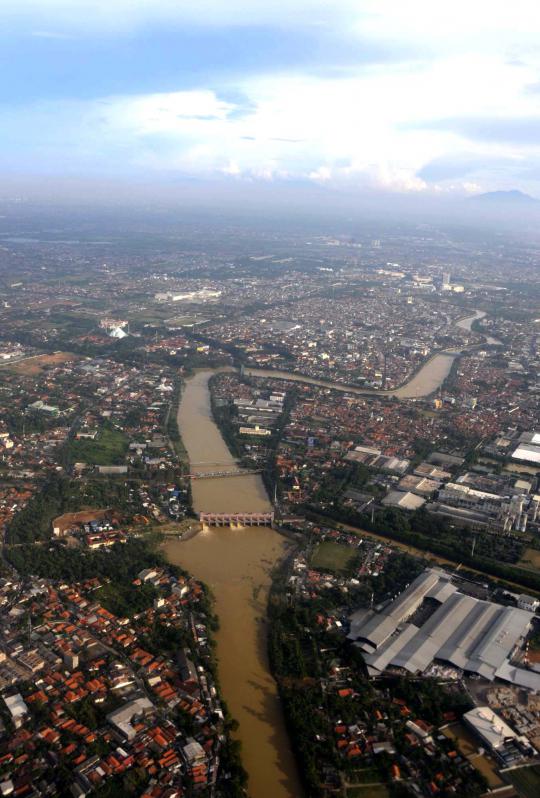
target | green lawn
[
  {"x": 332, "y": 557},
  {"x": 109, "y": 448},
  {"x": 526, "y": 780}
]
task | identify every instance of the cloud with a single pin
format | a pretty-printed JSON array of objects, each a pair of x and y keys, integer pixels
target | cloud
[
  {"x": 516, "y": 130},
  {"x": 409, "y": 97},
  {"x": 462, "y": 165}
]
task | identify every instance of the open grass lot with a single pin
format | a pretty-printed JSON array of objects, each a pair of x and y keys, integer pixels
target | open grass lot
[
  {"x": 368, "y": 791},
  {"x": 469, "y": 745},
  {"x": 185, "y": 321},
  {"x": 530, "y": 559},
  {"x": 36, "y": 365},
  {"x": 365, "y": 776},
  {"x": 109, "y": 448},
  {"x": 332, "y": 557},
  {"x": 526, "y": 780}
]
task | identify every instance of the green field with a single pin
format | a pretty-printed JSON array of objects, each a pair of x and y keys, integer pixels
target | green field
[
  {"x": 332, "y": 557},
  {"x": 526, "y": 780},
  {"x": 109, "y": 448}
]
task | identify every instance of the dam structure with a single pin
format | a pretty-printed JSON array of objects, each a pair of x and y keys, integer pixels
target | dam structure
[{"x": 236, "y": 519}]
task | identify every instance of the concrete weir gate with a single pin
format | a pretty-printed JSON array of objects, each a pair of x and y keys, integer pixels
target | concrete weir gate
[{"x": 236, "y": 519}]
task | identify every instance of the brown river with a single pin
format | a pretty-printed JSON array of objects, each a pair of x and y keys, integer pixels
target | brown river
[{"x": 236, "y": 563}]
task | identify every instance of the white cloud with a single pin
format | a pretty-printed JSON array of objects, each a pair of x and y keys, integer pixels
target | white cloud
[
  {"x": 455, "y": 23},
  {"x": 363, "y": 126}
]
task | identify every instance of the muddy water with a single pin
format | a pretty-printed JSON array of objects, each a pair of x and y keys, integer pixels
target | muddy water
[
  {"x": 430, "y": 377},
  {"x": 236, "y": 564},
  {"x": 466, "y": 324}
]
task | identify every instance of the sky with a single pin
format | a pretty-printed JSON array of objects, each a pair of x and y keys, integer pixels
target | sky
[{"x": 423, "y": 97}]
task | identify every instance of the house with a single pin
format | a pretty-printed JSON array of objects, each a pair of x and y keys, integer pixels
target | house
[
  {"x": 17, "y": 709},
  {"x": 528, "y": 603}
]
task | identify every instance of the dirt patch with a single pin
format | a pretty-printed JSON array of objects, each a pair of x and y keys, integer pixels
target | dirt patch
[
  {"x": 36, "y": 365},
  {"x": 530, "y": 559},
  {"x": 70, "y": 520}
]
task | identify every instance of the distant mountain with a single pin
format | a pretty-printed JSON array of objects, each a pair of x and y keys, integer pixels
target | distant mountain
[{"x": 505, "y": 198}]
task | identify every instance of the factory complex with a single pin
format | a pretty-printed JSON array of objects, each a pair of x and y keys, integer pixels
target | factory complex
[{"x": 432, "y": 623}]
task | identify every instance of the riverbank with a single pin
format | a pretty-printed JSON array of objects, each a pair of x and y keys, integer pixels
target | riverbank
[{"x": 237, "y": 565}]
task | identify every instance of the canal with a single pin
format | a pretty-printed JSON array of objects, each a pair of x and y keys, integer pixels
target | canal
[{"x": 237, "y": 564}]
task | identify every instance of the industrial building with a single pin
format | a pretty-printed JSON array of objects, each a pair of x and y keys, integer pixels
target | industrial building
[
  {"x": 432, "y": 620},
  {"x": 405, "y": 501},
  {"x": 497, "y": 736},
  {"x": 122, "y": 717},
  {"x": 528, "y": 449}
]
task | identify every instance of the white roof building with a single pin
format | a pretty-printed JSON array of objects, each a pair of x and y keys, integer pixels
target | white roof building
[
  {"x": 193, "y": 752},
  {"x": 17, "y": 707},
  {"x": 407, "y": 501},
  {"x": 528, "y": 452},
  {"x": 121, "y": 718},
  {"x": 490, "y": 727},
  {"x": 118, "y": 332}
]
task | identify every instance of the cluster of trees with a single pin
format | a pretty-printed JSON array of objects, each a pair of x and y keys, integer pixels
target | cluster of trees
[
  {"x": 231, "y": 762},
  {"x": 294, "y": 663},
  {"x": 173, "y": 430},
  {"x": 59, "y": 495},
  {"x": 124, "y": 599},
  {"x": 30, "y": 421},
  {"x": 34, "y": 521},
  {"x": 121, "y": 562}
]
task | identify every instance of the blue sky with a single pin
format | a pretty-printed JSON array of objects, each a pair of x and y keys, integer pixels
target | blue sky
[{"x": 428, "y": 97}]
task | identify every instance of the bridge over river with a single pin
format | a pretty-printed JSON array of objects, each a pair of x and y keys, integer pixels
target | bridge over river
[{"x": 236, "y": 472}]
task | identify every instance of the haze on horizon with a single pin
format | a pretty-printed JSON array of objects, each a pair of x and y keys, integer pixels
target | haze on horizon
[{"x": 349, "y": 98}]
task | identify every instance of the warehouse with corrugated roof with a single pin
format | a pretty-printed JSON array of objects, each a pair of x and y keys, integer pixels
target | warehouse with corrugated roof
[{"x": 472, "y": 635}]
